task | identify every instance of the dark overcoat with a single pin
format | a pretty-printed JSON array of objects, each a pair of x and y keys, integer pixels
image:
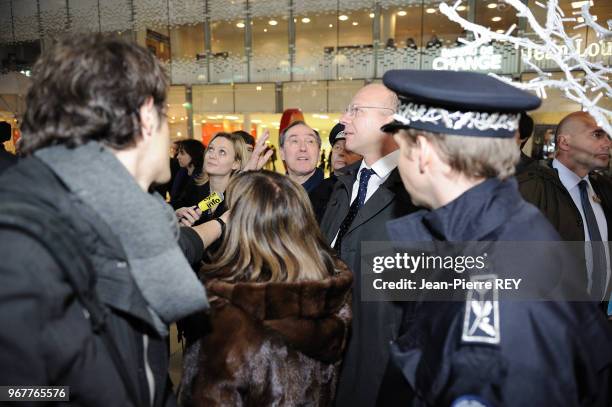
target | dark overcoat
[{"x": 374, "y": 323}]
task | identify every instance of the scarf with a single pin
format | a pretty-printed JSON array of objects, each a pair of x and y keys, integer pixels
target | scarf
[{"x": 145, "y": 225}]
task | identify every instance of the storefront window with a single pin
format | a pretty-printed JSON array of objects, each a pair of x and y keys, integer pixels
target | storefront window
[
  {"x": 269, "y": 60},
  {"x": 228, "y": 62},
  {"x": 400, "y": 34},
  {"x": 316, "y": 37},
  {"x": 355, "y": 52},
  {"x": 177, "y": 113},
  {"x": 439, "y": 33},
  {"x": 502, "y": 57},
  {"x": 188, "y": 54},
  {"x": 595, "y": 49},
  {"x": 334, "y": 41},
  {"x": 24, "y": 19}
]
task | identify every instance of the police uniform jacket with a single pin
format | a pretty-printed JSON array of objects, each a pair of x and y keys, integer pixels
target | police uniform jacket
[{"x": 546, "y": 353}]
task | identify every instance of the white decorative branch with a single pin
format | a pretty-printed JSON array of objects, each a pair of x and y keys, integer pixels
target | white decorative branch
[
  {"x": 583, "y": 81},
  {"x": 589, "y": 21}
]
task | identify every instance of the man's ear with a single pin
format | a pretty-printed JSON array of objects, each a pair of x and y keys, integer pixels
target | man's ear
[
  {"x": 424, "y": 153},
  {"x": 282, "y": 153},
  {"x": 148, "y": 119},
  {"x": 563, "y": 141}
]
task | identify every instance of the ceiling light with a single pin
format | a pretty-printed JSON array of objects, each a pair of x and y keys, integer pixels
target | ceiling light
[
  {"x": 355, "y": 23},
  {"x": 211, "y": 117},
  {"x": 343, "y": 17},
  {"x": 178, "y": 133},
  {"x": 579, "y": 4},
  {"x": 264, "y": 126},
  {"x": 371, "y": 15},
  {"x": 581, "y": 19},
  {"x": 265, "y": 30},
  {"x": 240, "y": 25},
  {"x": 331, "y": 25},
  {"x": 323, "y": 116},
  {"x": 203, "y": 121},
  {"x": 401, "y": 13},
  {"x": 500, "y": 31},
  {"x": 305, "y": 20},
  {"x": 256, "y": 121},
  {"x": 496, "y": 18},
  {"x": 273, "y": 22},
  {"x": 430, "y": 10},
  {"x": 492, "y": 5},
  {"x": 231, "y": 117},
  {"x": 258, "y": 87},
  {"x": 461, "y": 8}
]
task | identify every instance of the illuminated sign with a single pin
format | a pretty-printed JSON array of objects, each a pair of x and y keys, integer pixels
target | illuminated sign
[
  {"x": 595, "y": 49},
  {"x": 460, "y": 59}
]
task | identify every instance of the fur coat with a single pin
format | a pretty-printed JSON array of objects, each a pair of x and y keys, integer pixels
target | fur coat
[{"x": 270, "y": 344}]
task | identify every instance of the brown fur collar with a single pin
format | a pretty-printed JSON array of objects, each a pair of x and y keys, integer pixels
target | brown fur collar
[{"x": 307, "y": 314}]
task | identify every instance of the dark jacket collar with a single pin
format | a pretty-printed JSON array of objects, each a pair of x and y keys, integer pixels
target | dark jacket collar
[
  {"x": 348, "y": 174},
  {"x": 298, "y": 311},
  {"x": 386, "y": 193},
  {"x": 314, "y": 180},
  {"x": 472, "y": 216}
]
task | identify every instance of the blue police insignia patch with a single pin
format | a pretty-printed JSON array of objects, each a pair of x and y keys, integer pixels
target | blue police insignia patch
[
  {"x": 470, "y": 401},
  {"x": 481, "y": 320}
]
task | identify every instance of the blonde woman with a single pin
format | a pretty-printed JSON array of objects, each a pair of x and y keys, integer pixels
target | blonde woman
[
  {"x": 280, "y": 304},
  {"x": 225, "y": 156}
]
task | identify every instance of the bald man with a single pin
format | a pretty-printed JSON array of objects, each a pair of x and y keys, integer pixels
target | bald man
[
  {"x": 574, "y": 198},
  {"x": 367, "y": 195}
]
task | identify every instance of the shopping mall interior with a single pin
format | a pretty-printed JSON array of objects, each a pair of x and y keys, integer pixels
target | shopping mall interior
[{"x": 238, "y": 64}]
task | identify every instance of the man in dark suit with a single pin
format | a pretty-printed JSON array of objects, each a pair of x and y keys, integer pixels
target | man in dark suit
[
  {"x": 574, "y": 198},
  {"x": 367, "y": 195},
  {"x": 6, "y": 159}
]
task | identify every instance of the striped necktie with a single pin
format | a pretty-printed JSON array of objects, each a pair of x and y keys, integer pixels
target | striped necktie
[{"x": 364, "y": 178}]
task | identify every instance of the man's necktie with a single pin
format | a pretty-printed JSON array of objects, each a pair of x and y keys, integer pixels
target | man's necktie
[
  {"x": 364, "y": 178},
  {"x": 599, "y": 272}
]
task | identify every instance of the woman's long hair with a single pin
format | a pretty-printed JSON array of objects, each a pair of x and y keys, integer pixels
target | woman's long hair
[
  {"x": 272, "y": 234},
  {"x": 239, "y": 155}
]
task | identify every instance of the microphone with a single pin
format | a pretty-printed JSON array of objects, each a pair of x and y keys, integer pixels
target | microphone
[{"x": 213, "y": 199}]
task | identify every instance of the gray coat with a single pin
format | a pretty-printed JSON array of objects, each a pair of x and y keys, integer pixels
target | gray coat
[{"x": 375, "y": 324}]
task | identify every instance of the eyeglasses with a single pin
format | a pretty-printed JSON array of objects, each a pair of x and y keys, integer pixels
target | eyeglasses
[{"x": 353, "y": 110}]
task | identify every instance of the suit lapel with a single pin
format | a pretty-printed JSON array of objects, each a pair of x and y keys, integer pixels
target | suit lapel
[
  {"x": 383, "y": 196},
  {"x": 342, "y": 194}
]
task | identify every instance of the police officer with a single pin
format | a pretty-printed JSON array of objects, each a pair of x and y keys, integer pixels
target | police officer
[{"x": 457, "y": 158}]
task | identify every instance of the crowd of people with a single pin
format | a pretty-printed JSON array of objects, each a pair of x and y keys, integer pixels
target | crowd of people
[{"x": 105, "y": 244}]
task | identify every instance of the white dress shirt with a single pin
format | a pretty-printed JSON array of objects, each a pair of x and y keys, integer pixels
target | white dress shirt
[
  {"x": 570, "y": 181},
  {"x": 382, "y": 168}
]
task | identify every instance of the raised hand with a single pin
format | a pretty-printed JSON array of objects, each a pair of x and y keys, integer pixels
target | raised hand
[{"x": 261, "y": 154}]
